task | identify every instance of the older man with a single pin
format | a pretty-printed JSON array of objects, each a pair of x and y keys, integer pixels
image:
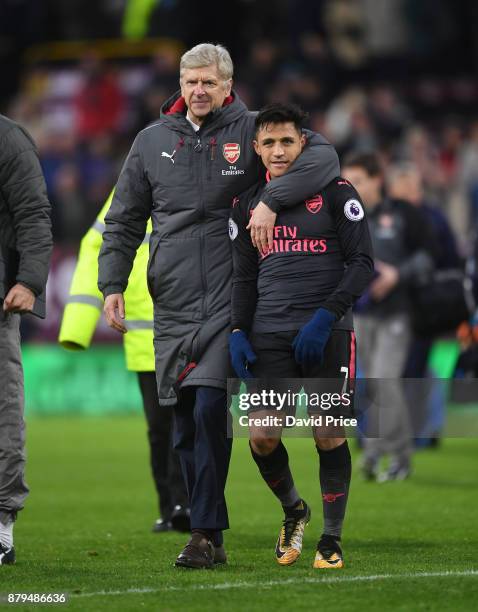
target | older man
[{"x": 184, "y": 171}]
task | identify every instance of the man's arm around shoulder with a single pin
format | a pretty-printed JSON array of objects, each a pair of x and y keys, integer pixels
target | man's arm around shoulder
[{"x": 312, "y": 171}]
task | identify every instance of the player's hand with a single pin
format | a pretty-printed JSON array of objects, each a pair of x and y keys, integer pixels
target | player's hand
[
  {"x": 19, "y": 299},
  {"x": 387, "y": 279},
  {"x": 309, "y": 344},
  {"x": 241, "y": 353},
  {"x": 261, "y": 226},
  {"x": 114, "y": 312}
]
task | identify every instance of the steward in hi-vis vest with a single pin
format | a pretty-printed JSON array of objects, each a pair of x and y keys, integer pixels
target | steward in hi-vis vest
[
  {"x": 85, "y": 302},
  {"x": 80, "y": 319}
]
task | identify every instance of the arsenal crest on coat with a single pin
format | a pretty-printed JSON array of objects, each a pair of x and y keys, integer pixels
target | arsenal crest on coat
[{"x": 231, "y": 152}]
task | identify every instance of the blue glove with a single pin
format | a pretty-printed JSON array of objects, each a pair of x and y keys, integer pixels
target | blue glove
[
  {"x": 241, "y": 353},
  {"x": 309, "y": 344}
]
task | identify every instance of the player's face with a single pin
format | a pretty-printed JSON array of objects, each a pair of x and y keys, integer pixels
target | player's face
[
  {"x": 204, "y": 90},
  {"x": 408, "y": 187},
  {"x": 368, "y": 187},
  {"x": 278, "y": 145}
]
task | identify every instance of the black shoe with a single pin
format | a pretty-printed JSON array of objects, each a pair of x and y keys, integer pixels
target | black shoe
[
  {"x": 220, "y": 557},
  {"x": 180, "y": 519},
  {"x": 7, "y": 555},
  {"x": 329, "y": 554},
  {"x": 197, "y": 554},
  {"x": 161, "y": 526}
]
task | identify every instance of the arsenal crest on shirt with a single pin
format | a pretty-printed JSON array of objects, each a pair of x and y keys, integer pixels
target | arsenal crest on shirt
[
  {"x": 314, "y": 204},
  {"x": 231, "y": 152}
]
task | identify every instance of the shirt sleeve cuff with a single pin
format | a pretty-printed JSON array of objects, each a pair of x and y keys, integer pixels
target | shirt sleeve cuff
[
  {"x": 34, "y": 290},
  {"x": 112, "y": 289},
  {"x": 270, "y": 202}
]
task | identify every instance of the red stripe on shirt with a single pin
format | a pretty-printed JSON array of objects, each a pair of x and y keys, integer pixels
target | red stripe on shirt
[{"x": 352, "y": 356}]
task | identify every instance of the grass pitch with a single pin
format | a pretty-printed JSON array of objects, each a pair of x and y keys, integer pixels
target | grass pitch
[{"x": 86, "y": 531}]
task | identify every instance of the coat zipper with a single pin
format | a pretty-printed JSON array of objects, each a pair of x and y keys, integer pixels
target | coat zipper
[
  {"x": 202, "y": 246},
  {"x": 211, "y": 148}
]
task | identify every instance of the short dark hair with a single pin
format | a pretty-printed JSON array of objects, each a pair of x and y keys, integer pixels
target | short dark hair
[
  {"x": 279, "y": 112},
  {"x": 368, "y": 161}
]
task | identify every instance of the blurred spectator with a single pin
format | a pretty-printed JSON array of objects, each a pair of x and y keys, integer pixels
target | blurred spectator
[
  {"x": 345, "y": 27},
  {"x": 388, "y": 114},
  {"x": 451, "y": 143},
  {"x": 404, "y": 182},
  {"x": 468, "y": 173},
  {"x": 162, "y": 79},
  {"x": 340, "y": 114},
  {"x": 26, "y": 111},
  {"x": 99, "y": 103},
  {"x": 262, "y": 67},
  {"x": 57, "y": 150},
  {"x": 383, "y": 316},
  {"x": 315, "y": 58},
  {"x": 303, "y": 89},
  {"x": 164, "y": 70},
  {"x": 362, "y": 135},
  {"x": 97, "y": 171},
  {"x": 69, "y": 205},
  {"x": 418, "y": 147},
  {"x": 385, "y": 27}
]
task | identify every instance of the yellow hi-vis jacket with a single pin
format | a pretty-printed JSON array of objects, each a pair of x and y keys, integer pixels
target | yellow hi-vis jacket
[{"x": 85, "y": 302}]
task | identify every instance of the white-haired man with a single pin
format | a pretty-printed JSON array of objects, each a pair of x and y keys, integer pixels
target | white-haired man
[{"x": 183, "y": 172}]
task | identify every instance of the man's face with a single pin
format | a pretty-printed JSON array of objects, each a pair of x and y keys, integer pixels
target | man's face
[
  {"x": 368, "y": 187},
  {"x": 408, "y": 187},
  {"x": 278, "y": 145},
  {"x": 204, "y": 90}
]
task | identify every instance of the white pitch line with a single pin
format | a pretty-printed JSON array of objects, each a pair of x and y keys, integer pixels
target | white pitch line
[{"x": 221, "y": 586}]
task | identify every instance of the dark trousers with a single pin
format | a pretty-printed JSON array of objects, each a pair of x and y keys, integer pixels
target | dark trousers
[
  {"x": 200, "y": 437},
  {"x": 417, "y": 358},
  {"x": 165, "y": 465}
]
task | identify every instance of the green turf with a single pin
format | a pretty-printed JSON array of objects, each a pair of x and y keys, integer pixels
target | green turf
[{"x": 86, "y": 530}]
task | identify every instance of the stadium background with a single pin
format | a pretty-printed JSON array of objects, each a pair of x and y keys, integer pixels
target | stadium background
[{"x": 83, "y": 77}]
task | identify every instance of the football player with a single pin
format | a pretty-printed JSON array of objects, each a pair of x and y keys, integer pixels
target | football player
[{"x": 292, "y": 319}]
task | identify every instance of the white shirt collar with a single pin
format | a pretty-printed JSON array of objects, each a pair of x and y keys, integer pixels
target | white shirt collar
[{"x": 195, "y": 125}]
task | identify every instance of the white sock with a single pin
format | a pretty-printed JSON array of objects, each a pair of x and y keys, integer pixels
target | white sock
[{"x": 6, "y": 535}]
